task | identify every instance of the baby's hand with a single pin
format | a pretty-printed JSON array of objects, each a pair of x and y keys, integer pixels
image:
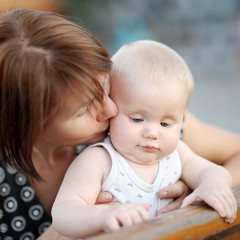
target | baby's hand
[
  {"x": 217, "y": 195},
  {"x": 117, "y": 216}
]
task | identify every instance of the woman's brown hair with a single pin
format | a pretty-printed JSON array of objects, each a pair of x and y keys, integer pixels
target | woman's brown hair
[{"x": 41, "y": 54}]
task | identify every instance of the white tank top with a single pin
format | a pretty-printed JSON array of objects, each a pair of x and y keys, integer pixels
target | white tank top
[{"x": 127, "y": 187}]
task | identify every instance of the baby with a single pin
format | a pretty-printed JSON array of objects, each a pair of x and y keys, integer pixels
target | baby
[{"x": 151, "y": 86}]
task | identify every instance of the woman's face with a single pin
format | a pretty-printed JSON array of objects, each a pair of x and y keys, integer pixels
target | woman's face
[{"x": 76, "y": 125}]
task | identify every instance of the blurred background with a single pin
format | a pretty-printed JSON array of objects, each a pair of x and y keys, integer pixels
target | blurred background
[{"x": 205, "y": 33}]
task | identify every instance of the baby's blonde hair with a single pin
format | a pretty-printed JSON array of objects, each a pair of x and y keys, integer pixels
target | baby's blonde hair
[{"x": 153, "y": 60}]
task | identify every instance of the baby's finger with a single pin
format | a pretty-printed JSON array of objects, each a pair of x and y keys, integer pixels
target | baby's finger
[
  {"x": 143, "y": 212},
  {"x": 230, "y": 206},
  {"x": 234, "y": 205},
  {"x": 190, "y": 199},
  {"x": 138, "y": 217},
  {"x": 111, "y": 225},
  {"x": 138, "y": 213},
  {"x": 125, "y": 219},
  {"x": 218, "y": 205}
]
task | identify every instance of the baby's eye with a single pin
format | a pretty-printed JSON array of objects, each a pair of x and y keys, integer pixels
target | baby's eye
[
  {"x": 164, "y": 124},
  {"x": 137, "y": 120}
]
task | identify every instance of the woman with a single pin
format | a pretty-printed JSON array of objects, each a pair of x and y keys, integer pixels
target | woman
[
  {"x": 54, "y": 96},
  {"x": 53, "y": 73}
]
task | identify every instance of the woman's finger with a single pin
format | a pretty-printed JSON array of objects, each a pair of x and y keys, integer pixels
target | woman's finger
[
  {"x": 104, "y": 197},
  {"x": 174, "y": 191}
]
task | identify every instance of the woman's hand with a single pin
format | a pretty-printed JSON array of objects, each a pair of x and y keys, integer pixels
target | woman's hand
[
  {"x": 178, "y": 191},
  {"x": 104, "y": 197}
]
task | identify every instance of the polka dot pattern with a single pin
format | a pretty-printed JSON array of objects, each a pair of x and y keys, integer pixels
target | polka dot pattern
[
  {"x": 27, "y": 194},
  {"x": 20, "y": 179},
  {"x": 10, "y": 204},
  {"x": 36, "y": 212},
  {"x": 21, "y": 214},
  {"x": 4, "y": 189},
  {"x": 18, "y": 223}
]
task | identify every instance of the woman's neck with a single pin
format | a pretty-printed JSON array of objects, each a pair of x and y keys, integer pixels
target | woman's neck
[
  {"x": 51, "y": 162},
  {"x": 46, "y": 151}
]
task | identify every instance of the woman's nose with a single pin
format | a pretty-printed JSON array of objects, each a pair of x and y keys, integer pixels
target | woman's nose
[{"x": 109, "y": 109}]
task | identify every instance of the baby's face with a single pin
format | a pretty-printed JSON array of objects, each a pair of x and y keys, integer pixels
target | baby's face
[{"x": 149, "y": 119}]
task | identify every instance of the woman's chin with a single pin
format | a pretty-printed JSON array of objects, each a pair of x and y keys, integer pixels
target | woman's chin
[{"x": 99, "y": 137}]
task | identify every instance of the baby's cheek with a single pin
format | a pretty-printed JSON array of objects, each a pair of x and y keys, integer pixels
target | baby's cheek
[{"x": 171, "y": 145}]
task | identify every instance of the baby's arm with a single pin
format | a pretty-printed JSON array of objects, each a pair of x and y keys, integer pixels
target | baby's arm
[
  {"x": 211, "y": 183},
  {"x": 74, "y": 213}
]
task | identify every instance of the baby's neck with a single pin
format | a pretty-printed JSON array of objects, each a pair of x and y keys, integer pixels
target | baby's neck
[{"x": 147, "y": 172}]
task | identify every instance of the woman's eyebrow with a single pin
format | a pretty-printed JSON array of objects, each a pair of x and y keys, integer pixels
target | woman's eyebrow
[{"x": 86, "y": 104}]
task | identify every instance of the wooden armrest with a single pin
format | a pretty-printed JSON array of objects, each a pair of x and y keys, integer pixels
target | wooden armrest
[{"x": 193, "y": 222}]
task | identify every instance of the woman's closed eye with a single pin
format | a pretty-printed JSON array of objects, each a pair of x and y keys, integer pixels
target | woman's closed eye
[{"x": 86, "y": 108}]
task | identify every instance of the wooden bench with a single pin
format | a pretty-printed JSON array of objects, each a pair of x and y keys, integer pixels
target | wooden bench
[{"x": 193, "y": 222}]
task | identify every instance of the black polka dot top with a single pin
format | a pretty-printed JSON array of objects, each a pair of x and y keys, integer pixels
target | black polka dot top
[{"x": 21, "y": 214}]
